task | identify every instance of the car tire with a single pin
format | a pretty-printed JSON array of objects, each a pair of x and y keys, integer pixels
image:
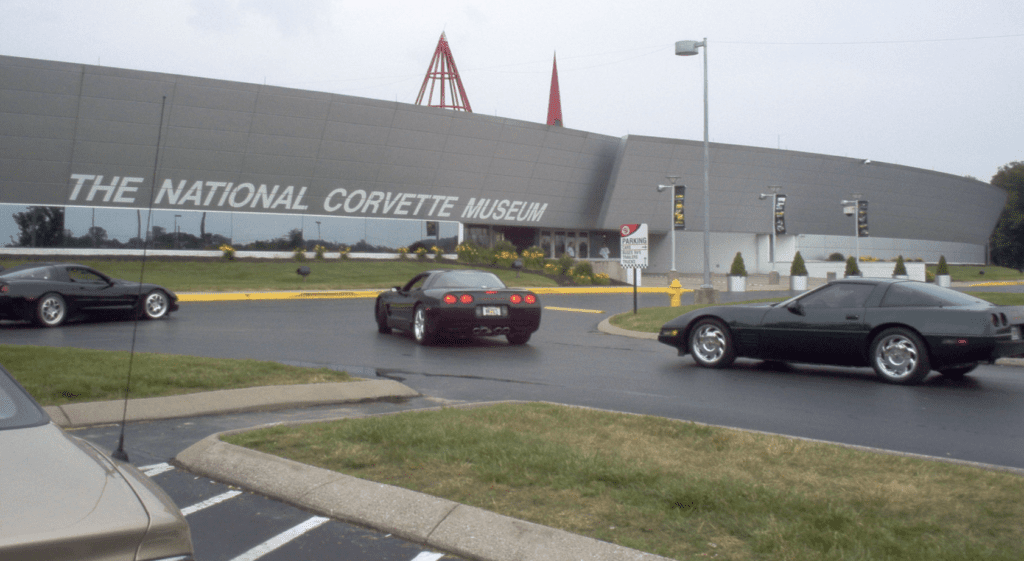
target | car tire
[
  {"x": 51, "y": 310},
  {"x": 899, "y": 356},
  {"x": 957, "y": 373},
  {"x": 518, "y": 337},
  {"x": 711, "y": 344},
  {"x": 382, "y": 318},
  {"x": 421, "y": 328},
  {"x": 155, "y": 305}
]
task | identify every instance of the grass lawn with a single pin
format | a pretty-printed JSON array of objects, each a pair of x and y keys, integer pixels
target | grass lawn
[
  {"x": 56, "y": 376},
  {"x": 272, "y": 274},
  {"x": 676, "y": 489},
  {"x": 980, "y": 273}
]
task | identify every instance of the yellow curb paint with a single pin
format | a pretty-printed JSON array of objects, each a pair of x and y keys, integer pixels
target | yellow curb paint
[
  {"x": 582, "y": 311},
  {"x": 344, "y": 294}
]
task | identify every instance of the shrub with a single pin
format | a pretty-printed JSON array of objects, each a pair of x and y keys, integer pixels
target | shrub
[
  {"x": 564, "y": 264},
  {"x": 851, "y": 266},
  {"x": 551, "y": 268},
  {"x": 943, "y": 268},
  {"x": 602, "y": 279},
  {"x": 900, "y": 268},
  {"x": 533, "y": 258},
  {"x": 836, "y": 257},
  {"x": 798, "y": 268},
  {"x": 344, "y": 252},
  {"x": 421, "y": 254},
  {"x": 468, "y": 252},
  {"x": 438, "y": 253},
  {"x": 403, "y": 253},
  {"x": 738, "y": 269},
  {"x": 583, "y": 273},
  {"x": 319, "y": 251},
  {"x": 299, "y": 254},
  {"x": 227, "y": 252}
]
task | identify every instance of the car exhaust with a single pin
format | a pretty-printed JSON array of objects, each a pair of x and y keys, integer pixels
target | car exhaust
[{"x": 484, "y": 330}]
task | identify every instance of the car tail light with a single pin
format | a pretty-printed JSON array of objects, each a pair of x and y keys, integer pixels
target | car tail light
[
  {"x": 450, "y": 299},
  {"x": 466, "y": 299},
  {"x": 531, "y": 299},
  {"x": 4, "y": 288},
  {"x": 515, "y": 298}
]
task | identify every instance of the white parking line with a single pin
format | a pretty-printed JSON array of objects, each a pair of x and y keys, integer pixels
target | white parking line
[
  {"x": 155, "y": 469},
  {"x": 210, "y": 502},
  {"x": 280, "y": 539},
  {"x": 428, "y": 556}
]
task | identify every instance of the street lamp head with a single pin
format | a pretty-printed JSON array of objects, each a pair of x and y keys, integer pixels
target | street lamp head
[
  {"x": 662, "y": 187},
  {"x": 688, "y": 48}
]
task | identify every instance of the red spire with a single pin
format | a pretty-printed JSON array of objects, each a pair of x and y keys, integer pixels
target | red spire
[
  {"x": 442, "y": 70},
  {"x": 554, "y": 99}
]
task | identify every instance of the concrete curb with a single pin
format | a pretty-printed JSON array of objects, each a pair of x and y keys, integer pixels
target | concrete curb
[
  {"x": 225, "y": 401},
  {"x": 452, "y": 527}
]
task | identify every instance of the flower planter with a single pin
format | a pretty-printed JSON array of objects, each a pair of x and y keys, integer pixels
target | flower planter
[
  {"x": 942, "y": 280},
  {"x": 737, "y": 284},
  {"x": 798, "y": 282}
]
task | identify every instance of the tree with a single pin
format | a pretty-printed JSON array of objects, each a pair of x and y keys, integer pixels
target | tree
[
  {"x": 40, "y": 226},
  {"x": 1007, "y": 241}
]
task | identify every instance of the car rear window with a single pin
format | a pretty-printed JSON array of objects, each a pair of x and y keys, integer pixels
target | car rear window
[
  {"x": 34, "y": 273},
  {"x": 17, "y": 408},
  {"x": 924, "y": 295},
  {"x": 467, "y": 279}
]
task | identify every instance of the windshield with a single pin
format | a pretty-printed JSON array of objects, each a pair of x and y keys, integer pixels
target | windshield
[{"x": 17, "y": 409}]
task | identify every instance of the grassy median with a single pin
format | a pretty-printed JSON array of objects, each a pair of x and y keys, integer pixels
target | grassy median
[
  {"x": 56, "y": 376},
  {"x": 673, "y": 488}
]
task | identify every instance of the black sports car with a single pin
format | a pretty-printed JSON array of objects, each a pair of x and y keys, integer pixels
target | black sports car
[
  {"x": 49, "y": 293},
  {"x": 458, "y": 303},
  {"x": 902, "y": 329}
]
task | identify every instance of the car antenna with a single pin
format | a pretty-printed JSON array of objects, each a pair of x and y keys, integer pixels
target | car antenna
[{"x": 119, "y": 453}]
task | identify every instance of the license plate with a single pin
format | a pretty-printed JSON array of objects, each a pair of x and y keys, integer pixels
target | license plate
[
  {"x": 491, "y": 311},
  {"x": 1015, "y": 333}
]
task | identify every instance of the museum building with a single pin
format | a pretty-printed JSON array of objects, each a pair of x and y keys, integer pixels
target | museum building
[{"x": 77, "y": 135}]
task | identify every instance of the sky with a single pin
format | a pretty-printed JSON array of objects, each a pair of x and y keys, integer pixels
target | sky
[{"x": 933, "y": 84}]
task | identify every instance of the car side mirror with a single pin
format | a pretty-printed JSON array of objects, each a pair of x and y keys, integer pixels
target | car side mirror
[
  {"x": 396, "y": 289},
  {"x": 796, "y": 308}
]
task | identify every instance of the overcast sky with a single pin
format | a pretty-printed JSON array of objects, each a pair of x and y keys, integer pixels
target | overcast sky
[{"x": 934, "y": 84}]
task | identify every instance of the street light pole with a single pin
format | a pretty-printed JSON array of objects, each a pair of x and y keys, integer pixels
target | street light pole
[
  {"x": 775, "y": 201},
  {"x": 856, "y": 226},
  {"x": 318, "y": 238},
  {"x": 176, "y": 244},
  {"x": 671, "y": 187},
  {"x": 689, "y": 48}
]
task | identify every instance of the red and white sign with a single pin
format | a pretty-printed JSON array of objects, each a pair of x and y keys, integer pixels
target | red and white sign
[{"x": 633, "y": 248}]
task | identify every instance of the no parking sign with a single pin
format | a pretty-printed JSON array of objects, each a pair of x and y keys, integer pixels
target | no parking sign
[{"x": 633, "y": 246}]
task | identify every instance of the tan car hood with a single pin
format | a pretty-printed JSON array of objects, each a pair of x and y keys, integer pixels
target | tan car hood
[{"x": 60, "y": 499}]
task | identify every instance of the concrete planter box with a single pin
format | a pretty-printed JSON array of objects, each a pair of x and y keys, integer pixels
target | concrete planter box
[
  {"x": 904, "y": 277},
  {"x": 798, "y": 282},
  {"x": 737, "y": 284},
  {"x": 943, "y": 280}
]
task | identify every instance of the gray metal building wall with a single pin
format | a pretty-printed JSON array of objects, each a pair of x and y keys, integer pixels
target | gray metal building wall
[{"x": 67, "y": 128}]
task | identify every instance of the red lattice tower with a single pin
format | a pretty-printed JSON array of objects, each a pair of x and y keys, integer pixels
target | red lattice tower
[
  {"x": 442, "y": 71},
  {"x": 554, "y": 99}
]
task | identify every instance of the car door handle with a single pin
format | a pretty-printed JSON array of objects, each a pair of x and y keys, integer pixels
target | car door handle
[{"x": 852, "y": 316}]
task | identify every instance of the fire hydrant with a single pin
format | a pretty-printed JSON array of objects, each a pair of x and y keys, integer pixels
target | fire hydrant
[{"x": 675, "y": 293}]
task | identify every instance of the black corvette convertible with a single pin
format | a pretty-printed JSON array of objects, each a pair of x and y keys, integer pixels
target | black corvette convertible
[
  {"x": 458, "y": 303},
  {"x": 902, "y": 329},
  {"x": 50, "y": 293}
]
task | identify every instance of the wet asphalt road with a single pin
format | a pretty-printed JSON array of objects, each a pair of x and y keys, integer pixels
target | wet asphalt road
[{"x": 569, "y": 361}]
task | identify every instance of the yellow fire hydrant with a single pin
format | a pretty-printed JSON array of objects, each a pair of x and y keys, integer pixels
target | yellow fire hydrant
[{"x": 675, "y": 293}]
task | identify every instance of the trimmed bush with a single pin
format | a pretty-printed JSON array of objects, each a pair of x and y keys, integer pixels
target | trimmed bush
[
  {"x": 943, "y": 268},
  {"x": 738, "y": 269},
  {"x": 836, "y": 257},
  {"x": 798, "y": 268},
  {"x": 900, "y": 268},
  {"x": 851, "y": 266}
]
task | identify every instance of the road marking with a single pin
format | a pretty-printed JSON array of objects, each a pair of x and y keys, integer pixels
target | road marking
[
  {"x": 210, "y": 502},
  {"x": 580, "y": 310},
  {"x": 281, "y": 539},
  {"x": 428, "y": 556},
  {"x": 155, "y": 469}
]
